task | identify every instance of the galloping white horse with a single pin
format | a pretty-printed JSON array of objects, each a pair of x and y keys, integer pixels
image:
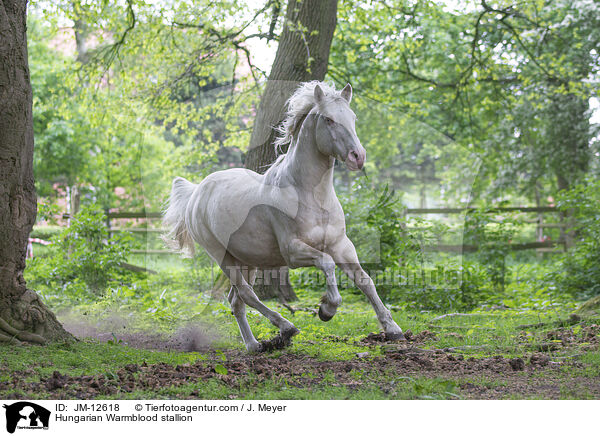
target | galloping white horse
[{"x": 288, "y": 216}]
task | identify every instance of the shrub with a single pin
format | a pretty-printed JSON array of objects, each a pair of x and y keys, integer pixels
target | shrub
[
  {"x": 579, "y": 270},
  {"x": 404, "y": 272},
  {"x": 84, "y": 260},
  {"x": 492, "y": 236}
]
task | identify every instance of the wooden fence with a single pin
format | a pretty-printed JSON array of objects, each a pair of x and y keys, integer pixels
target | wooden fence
[
  {"x": 110, "y": 216},
  {"x": 445, "y": 248},
  {"x": 541, "y": 246}
]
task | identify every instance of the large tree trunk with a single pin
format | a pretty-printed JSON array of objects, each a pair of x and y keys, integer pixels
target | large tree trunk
[
  {"x": 23, "y": 316},
  {"x": 302, "y": 55}
]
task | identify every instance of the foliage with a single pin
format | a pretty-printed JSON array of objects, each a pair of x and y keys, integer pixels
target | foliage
[
  {"x": 507, "y": 82},
  {"x": 579, "y": 271},
  {"x": 85, "y": 259},
  {"x": 491, "y": 236},
  {"x": 92, "y": 138},
  {"x": 471, "y": 104}
]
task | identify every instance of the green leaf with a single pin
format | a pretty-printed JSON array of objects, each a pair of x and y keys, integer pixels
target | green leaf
[{"x": 220, "y": 369}]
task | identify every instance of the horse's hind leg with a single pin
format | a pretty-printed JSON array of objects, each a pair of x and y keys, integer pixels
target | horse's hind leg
[
  {"x": 234, "y": 271},
  {"x": 238, "y": 307}
]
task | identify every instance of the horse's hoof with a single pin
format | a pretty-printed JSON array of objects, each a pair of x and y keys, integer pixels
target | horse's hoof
[
  {"x": 255, "y": 348},
  {"x": 395, "y": 336},
  {"x": 288, "y": 333},
  {"x": 323, "y": 316},
  {"x": 282, "y": 340}
]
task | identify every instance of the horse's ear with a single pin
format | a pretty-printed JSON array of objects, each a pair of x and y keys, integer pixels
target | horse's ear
[
  {"x": 347, "y": 92},
  {"x": 319, "y": 95}
]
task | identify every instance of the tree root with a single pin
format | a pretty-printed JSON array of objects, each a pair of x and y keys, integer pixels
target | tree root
[
  {"x": 25, "y": 318},
  {"x": 20, "y": 335},
  {"x": 9, "y": 339},
  {"x": 293, "y": 310}
]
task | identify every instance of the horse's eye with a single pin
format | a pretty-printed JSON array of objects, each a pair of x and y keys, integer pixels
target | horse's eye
[{"x": 329, "y": 121}]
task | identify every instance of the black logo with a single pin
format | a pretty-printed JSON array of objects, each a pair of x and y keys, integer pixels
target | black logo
[{"x": 26, "y": 415}]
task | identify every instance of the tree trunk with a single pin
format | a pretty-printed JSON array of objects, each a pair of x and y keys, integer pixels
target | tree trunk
[
  {"x": 23, "y": 316},
  {"x": 302, "y": 55},
  {"x": 274, "y": 284}
]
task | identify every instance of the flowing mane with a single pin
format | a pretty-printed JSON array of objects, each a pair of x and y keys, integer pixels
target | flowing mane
[{"x": 298, "y": 107}]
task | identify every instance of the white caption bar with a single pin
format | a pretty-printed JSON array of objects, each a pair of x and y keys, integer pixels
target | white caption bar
[{"x": 150, "y": 417}]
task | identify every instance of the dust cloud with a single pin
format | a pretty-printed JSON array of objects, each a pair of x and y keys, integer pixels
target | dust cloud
[{"x": 195, "y": 336}]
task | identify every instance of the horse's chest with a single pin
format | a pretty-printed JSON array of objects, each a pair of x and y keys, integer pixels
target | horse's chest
[{"x": 320, "y": 230}]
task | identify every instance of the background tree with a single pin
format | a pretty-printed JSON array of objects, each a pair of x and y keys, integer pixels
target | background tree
[
  {"x": 23, "y": 316},
  {"x": 302, "y": 55}
]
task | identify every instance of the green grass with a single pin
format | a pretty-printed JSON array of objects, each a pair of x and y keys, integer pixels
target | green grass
[
  {"x": 162, "y": 303},
  {"x": 497, "y": 332},
  {"x": 276, "y": 389},
  {"x": 82, "y": 358},
  {"x": 91, "y": 358}
]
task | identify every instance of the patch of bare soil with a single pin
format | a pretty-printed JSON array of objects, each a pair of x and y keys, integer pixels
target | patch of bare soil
[
  {"x": 583, "y": 336},
  {"x": 409, "y": 336},
  {"x": 534, "y": 375}
]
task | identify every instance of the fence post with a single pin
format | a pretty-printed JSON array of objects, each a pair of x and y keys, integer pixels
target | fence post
[
  {"x": 106, "y": 211},
  {"x": 569, "y": 234}
]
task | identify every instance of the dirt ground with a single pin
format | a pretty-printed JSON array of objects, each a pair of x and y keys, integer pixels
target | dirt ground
[{"x": 531, "y": 375}]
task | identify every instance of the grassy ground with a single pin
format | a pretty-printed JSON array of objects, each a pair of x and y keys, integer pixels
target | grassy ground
[{"x": 491, "y": 354}]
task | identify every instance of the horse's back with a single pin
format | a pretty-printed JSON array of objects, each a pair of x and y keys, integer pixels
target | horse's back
[{"x": 233, "y": 210}]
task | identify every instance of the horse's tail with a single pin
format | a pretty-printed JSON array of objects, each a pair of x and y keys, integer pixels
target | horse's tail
[{"x": 178, "y": 237}]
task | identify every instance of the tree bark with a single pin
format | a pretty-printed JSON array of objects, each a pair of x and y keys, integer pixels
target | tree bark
[
  {"x": 23, "y": 316},
  {"x": 302, "y": 55}
]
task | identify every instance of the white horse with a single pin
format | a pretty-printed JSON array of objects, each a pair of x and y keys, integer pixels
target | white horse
[{"x": 290, "y": 216}]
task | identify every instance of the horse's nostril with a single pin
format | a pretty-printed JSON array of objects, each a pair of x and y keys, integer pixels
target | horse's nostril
[{"x": 354, "y": 154}]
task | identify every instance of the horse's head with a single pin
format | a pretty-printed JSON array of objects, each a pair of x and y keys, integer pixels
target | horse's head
[{"x": 335, "y": 128}]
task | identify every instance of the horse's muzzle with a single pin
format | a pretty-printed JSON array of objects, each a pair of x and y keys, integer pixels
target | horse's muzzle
[{"x": 356, "y": 159}]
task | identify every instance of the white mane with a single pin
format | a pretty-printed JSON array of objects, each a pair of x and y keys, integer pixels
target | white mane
[{"x": 298, "y": 107}]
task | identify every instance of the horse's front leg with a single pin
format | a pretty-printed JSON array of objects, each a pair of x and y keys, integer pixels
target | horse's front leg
[
  {"x": 345, "y": 257},
  {"x": 301, "y": 254}
]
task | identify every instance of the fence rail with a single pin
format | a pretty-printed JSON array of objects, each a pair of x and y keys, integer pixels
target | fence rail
[
  {"x": 444, "y": 248},
  {"x": 410, "y": 211},
  {"x": 119, "y": 215},
  {"x": 454, "y": 210}
]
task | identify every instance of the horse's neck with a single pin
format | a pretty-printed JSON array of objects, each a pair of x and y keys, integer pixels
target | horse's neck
[{"x": 307, "y": 167}]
